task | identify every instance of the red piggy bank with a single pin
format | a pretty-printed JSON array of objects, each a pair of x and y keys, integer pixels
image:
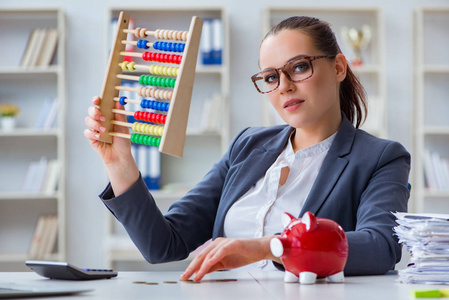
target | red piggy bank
[{"x": 311, "y": 247}]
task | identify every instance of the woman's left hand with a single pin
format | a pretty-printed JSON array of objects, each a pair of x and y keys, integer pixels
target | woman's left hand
[{"x": 227, "y": 253}]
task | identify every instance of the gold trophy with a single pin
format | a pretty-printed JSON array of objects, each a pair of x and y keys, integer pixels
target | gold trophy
[{"x": 358, "y": 39}]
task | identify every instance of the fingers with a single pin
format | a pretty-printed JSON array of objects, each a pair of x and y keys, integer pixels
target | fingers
[
  {"x": 96, "y": 101},
  {"x": 208, "y": 260},
  {"x": 196, "y": 263},
  {"x": 91, "y": 135},
  {"x": 93, "y": 121}
]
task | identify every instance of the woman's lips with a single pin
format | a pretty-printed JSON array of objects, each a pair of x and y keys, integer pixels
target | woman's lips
[{"x": 293, "y": 104}]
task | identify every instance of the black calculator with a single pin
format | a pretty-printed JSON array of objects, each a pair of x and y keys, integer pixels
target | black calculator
[{"x": 64, "y": 270}]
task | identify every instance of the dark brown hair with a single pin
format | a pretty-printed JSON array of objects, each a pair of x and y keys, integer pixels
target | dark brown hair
[{"x": 352, "y": 94}]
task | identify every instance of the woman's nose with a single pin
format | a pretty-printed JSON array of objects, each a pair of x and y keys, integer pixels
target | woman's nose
[{"x": 285, "y": 83}]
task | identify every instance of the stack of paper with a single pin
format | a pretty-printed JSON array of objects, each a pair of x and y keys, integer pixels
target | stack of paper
[{"x": 426, "y": 236}]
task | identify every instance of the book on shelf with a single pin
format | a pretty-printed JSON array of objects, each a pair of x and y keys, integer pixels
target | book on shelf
[
  {"x": 48, "y": 113},
  {"x": 148, "y": 160},
  {"x": 436, "y": 171},
  {"x": 211, "y": 113},
  {"x": 41, "y": 48},
  {"x": 44, "y": 238},
  {"x": 211, "y": 44},
  {"x": 42, "y": 176},
  {"x": 49, "y": 46}
]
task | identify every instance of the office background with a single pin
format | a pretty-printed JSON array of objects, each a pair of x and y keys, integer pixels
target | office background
[{"x": 87, "y": 25}]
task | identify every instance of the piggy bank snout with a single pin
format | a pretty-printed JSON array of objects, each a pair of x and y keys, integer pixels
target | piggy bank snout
[{"x": 277, "y": 246}]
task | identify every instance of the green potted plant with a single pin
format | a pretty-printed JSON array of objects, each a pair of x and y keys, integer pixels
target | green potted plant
[{"x": 8, "y": 113}]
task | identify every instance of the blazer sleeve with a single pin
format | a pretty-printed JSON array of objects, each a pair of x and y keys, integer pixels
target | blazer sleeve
[
  {"x": 373, "y": 247},
  {"x": 187, "y": 225}
]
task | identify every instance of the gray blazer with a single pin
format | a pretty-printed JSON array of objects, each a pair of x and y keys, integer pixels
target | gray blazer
[{"x": 363, "y": 179}]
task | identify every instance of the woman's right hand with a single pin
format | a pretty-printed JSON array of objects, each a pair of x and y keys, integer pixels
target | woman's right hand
[
  {"x": 119, "y": 162},
  {"x": 110, "y": 153}
]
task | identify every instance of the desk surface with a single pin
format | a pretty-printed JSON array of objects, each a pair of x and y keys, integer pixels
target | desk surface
[{"x": 248, "y": 285}]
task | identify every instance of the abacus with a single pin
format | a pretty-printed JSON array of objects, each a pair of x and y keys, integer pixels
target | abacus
[{"x": 165, "y": 128}]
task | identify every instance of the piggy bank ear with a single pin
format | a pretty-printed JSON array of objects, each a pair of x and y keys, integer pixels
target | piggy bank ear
[
  {"x": 286, "y": 219},
  {"x": 309, "y": 220}
]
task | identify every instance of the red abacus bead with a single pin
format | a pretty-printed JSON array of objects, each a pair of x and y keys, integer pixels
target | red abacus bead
[
  {"x": 164, "y": 118},
  {"x": 179, "y": 59},
  {"x": 145, "y": 56},
  {"x": 136, "y": 115}
]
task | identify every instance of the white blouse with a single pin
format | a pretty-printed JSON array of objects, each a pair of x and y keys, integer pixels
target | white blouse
[{"x": 258, "y": 212}]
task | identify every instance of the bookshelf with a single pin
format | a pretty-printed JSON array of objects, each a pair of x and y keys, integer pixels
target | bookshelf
[
  {"x": 371, "y": 72},
  {"x": 205, "y": 143},
  {"x": 430, "y": 121},
  {"x": 28, "y": 86}
]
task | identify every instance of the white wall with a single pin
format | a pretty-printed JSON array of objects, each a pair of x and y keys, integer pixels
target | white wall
[{"x": 86, "y": 24}]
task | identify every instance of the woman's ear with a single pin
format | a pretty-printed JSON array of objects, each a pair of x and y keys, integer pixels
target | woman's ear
[{"x": 340, "y": 67}]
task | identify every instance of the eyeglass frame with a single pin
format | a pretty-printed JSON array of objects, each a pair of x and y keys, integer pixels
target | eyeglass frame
[{"x": 309, "y": 58}]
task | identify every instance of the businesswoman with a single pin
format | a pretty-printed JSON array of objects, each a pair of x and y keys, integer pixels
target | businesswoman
[{"x": 319, "y": 162}]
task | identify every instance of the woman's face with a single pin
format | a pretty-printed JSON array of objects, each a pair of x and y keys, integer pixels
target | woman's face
[{"x": 313, "y": 102}]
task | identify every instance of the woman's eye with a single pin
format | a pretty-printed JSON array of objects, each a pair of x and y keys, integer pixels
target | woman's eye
[
  {"x": 301, "y": 67},
  {"x": 270, "y": 78}
]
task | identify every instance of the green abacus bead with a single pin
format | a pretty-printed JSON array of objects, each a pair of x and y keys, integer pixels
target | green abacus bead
[
  {"x": 158, "y": 142},
  {"x": 172, "y": 82},
  {"x": 141, "y": 137},
  {"x": 148, "y": 140}
]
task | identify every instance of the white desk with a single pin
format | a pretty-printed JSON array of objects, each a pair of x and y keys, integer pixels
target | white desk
[{"x": 252, "y": 285}]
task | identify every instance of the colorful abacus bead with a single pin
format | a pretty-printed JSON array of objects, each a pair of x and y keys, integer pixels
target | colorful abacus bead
[
  {"x": 157, "y": 81},
  {"x": 142, "y": 44},
  {"x": 150, "y": 117},
  {"x": 145, "y": 140},
  {"x": 167, "y": 46},
  {"x": 160, "y": 57},
  {"x": 164, "y": 70},
  {"x": 156, "y": 105},
  {"x": 148, "y": 128},
  {"x": 122, "y": 100}
]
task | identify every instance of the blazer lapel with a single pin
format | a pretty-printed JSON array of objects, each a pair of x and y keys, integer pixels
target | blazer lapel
[{"x": 332, "y": 168}]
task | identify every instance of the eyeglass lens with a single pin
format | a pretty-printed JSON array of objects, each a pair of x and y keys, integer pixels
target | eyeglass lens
[{"x": 296, "y": 70}]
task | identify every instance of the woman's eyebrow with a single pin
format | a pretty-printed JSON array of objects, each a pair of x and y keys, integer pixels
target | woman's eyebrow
[{"x": 289, "y": 60}]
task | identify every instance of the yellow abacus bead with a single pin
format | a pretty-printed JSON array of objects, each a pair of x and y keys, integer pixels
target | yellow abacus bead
[
  {"x": 159, "y": 70},
  {"x": 124, "y": 65},
  {"x": 131, "y": 66},
  {"x": 150, "y": 129}
]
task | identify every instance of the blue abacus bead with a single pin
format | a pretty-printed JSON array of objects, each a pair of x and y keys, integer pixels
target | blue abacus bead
[
  {"x": 143, "y": 103},
  {"x": 122, "y": 100},
  {"x": 139, "y": 44},
  {"x": 182, "y": 46},
  {"x": 166, "y": 106},
  {"x": 153, "y": 104},
  {"x": 156, "y": 45}
]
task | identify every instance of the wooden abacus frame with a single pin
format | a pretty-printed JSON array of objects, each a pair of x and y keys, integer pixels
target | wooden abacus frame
[{"x": 173, "y": 137}]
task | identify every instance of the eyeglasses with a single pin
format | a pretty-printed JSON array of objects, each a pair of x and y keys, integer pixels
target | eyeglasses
[{"x": 296, "y": 70}]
